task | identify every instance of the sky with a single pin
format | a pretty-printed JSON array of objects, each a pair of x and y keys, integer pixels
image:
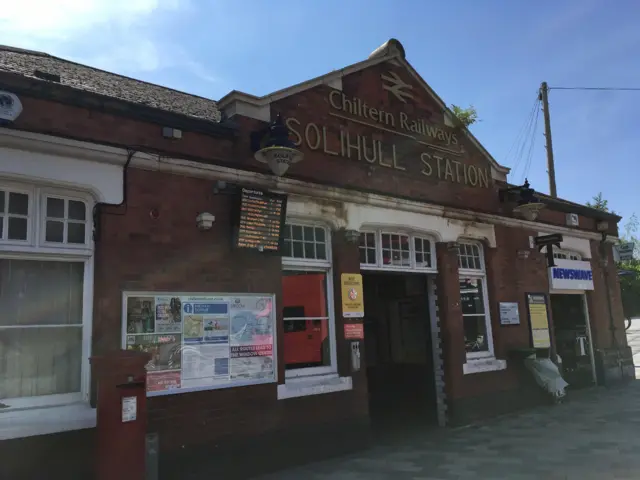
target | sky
[{"x": 492, "y": 54}]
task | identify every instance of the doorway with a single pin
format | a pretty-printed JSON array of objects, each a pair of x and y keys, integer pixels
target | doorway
[
  {"x": 398, "y": 349},
  {"x": 573, "y": 339}
]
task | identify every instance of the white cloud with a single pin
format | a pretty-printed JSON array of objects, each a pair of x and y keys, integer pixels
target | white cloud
[
  {"x": 123, "y": 36},
  {"x": 64, "y": 19}
]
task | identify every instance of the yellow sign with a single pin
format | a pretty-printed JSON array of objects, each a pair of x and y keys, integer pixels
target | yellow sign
[
  {"x": 352, "y": 297},
  {"x": 539, "y": 320}
]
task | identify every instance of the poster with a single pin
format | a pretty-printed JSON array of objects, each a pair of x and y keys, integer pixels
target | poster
[
  {"x": 538, "y": 320},
  {"x": 203, "y": 341},
  {"x": 165, "y": 350},
  {"x": 251, "y": 338},
  {"x": 168, "y": 314},
  {"x": 354, "y": 331},
  {"x": 159, "y": 381},
  {"x": 509, "y": 313},
  {"x": 352, "y": 298},
  {"x": 140, "y": 315}
]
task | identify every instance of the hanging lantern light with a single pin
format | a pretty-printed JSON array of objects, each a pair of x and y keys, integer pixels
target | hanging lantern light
[{"x": 277, "y": 150}]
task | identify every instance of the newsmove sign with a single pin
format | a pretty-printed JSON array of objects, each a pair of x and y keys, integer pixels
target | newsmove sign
[
  {"x": 571, "y": 275},
  {"x": 436, "y": 149}
]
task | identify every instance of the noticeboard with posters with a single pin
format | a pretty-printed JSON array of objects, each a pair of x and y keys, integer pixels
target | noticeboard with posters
[{"x": 202, "y": 341}]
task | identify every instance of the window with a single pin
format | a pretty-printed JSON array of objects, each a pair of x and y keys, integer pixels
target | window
[
  {"x": 473, "y": 298},
  {"x": 368, "y": 249},
  {"x": 309, "y": 336},
  {"x": 40, "y": 328},
  {"x": 474, "y": 315},
  {"x": 44, "y": 330},
  {"x": 566, "y": 255},
  {"x": 65, "y": 221},
  {"x": 15, "y": 210},
  {"x": 469, "y": 257},
  {"x": 422, "y": 252},
  {"x": 305, "y": 242},
  {"x": 399, "y": 251},
  {"x": 395, "y": 250}
]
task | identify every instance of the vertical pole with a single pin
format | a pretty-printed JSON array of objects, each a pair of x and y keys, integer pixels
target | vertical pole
[{"x": 544, "y": 96}]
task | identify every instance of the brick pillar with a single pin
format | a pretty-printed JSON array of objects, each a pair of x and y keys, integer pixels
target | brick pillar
[
  {"x": 346, "y": 259},
  {"x": 613, "y": 358},
  {"x": 450, "y": 314}
]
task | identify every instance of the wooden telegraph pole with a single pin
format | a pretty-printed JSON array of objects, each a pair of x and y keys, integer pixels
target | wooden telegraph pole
[{"x": 544, "y": 97}]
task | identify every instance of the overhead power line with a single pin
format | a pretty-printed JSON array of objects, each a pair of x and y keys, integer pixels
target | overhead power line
[
  {"x": 611, "y": 89},
  {"x": 527, "y": 165},
  {"x": 524, "y": 141},
  {"x": 517, "y": 149}
]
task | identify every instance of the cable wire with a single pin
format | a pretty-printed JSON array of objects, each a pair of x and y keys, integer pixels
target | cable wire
[
  {"x": 611, "y": 89},
  {"x": 531, "y": 146},
  {"x": 527, "y": 138},
  {"x": 521, "y": 138}
]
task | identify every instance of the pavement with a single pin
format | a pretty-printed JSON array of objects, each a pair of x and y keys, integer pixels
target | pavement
[
  {"x": 594, "y": 435},
  {"x": 633, "y": 340}
]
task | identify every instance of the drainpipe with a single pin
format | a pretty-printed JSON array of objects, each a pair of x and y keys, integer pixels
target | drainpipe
[{"x": 97, "y": 208}]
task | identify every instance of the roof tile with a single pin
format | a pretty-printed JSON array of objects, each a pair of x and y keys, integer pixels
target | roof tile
[{"x": 82, "y": 77}]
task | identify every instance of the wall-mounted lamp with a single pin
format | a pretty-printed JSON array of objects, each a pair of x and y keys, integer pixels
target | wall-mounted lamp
[
  {"x": 205, "y": 220},
  {"x": 528, "y": 205},
  {"x": 273, "y": 147},
  {"x": 352, "y": 236}
]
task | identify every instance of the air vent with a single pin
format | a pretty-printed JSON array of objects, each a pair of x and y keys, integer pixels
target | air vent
[{"x": 51, "y": 77}]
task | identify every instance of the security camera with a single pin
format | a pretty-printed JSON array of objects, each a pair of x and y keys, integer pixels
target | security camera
[{"x": 205, "y": 221}]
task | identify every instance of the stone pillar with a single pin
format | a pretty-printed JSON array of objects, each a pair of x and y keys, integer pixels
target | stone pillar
[{"x": 450, "y": 315}]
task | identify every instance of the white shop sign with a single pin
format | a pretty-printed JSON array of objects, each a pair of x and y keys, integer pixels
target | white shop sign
[{"x": 571, "y": 275}]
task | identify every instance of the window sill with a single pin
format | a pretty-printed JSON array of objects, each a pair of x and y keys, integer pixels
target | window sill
[
  {"x": 302, "y": 387},
  {"x": 43, "y": 421},
  {"x": 479, "y": 365}
]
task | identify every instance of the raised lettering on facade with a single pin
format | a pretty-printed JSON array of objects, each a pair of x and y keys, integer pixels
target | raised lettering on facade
[{"x": 367, "y": 149}]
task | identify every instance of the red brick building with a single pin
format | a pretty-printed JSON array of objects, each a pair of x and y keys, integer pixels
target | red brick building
[{"x": 102, "y": 178}]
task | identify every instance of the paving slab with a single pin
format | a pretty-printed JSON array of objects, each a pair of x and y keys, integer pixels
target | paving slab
[{"x": 594, "y": 435}]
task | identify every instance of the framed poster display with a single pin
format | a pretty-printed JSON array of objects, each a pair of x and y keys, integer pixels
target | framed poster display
[{"x": 202, "y": 341}]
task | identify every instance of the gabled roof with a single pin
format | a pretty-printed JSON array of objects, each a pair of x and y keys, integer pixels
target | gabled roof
[
  {"x": 47, "y": 68},
  {"x": 391, "y": 50}
]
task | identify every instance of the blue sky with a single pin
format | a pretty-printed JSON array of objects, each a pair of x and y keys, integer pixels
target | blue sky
[{"x": 489, "y": 53}]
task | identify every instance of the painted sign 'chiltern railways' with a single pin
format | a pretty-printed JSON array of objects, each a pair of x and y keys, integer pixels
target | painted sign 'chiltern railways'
[
  {"x": 437, "y": 152},
  {"x": 571, "y": 275}
]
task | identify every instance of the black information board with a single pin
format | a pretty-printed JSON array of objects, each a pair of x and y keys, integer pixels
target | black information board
[{"x": 260, "y": 220}]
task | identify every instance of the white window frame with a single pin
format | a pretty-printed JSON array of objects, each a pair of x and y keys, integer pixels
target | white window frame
[
  {"x": 35, "y": 249},
  {"x": 12, "y": 187},
  {"x": 322, "y": 266},
  {"x": 51, "y": 193},
  {"x": 412, "y": 267},
  {"x": 482, "y": 275}
]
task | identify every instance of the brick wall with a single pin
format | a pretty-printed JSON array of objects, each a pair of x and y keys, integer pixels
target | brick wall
[
  {"x": 137, "y": 252},
  {"x": 313, "y": 106},
  {"x": 93, "y": 125},
  {"x": 509, "y": 278}
]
